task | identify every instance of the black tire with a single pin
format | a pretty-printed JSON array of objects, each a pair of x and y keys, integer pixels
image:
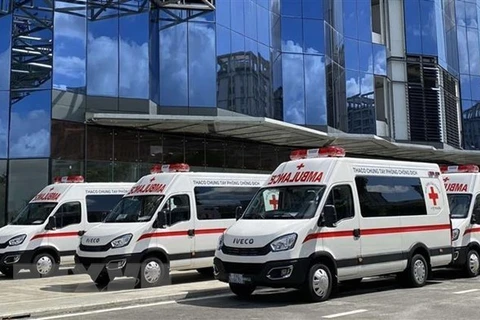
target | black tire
[
  {"x": 243, "y": 291},
  {"x": 153, "y": 272},
  {"x": 7, "y": 272},
  {"x": 208, "y": 272},
  {"x": 321, "y": 292},
  {"x": 44, "y": 265},
  {"x": 417, "y": 271},
  {"x": 102, "y": 280},
  {"x": 472, "y": 265}
]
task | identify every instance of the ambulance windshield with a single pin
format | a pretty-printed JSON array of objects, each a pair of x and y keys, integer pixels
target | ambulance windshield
[
  {"x": 459, "y": 205},
  {"x": 292, "y": 202},
  {"x": 135, "y": 209},
  {"x": 34, "y": 213}
]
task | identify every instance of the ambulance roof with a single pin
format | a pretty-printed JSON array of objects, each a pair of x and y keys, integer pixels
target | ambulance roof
[
  {"x": 461, "y": 179},
  {"x": 161, "y": 183},
  {"x": 58, "y": 191}
]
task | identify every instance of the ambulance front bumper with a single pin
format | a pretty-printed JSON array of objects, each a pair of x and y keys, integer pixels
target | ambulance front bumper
[
  {"x": 16, "y": 259},
  {"x": 274, "y": 274},
  {"x": 459, "y": 258},
  {"x": 127, "y": 265}
]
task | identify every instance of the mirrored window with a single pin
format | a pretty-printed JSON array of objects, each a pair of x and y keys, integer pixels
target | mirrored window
[
  {"x": 201, "y": 64},
  {"x": 5, "y": 47},
  {"x": 379, "y": 60},
  {"x": 460, "y": 13},
  {"x": 463, "y": 57},
  {"x": 102, "y": 56},
  {"x": 237, "y": 13},
  {"x": 133, "y": 56},
  {"x": 222, "y": 11},
  {"x": 292, "y": 35},
  {"x": 293, "y": 88},
  {"x": 351, "y": 54},
  {"x": 365, "y": 59},
  {"x": 30, "y": 124},
  {"x": 313, "y": 36},
  {"x": 291, "y": 8},
  {"x": 413, "y": 27},
  {"x": 364, "y": 20},
  {"x": 350, "y": 18},
  {"x": 174, "y": 66},
  {"x": 465, "y": 87},
  {"x": 473, "y": 51},
  {"x": 263, "y": 25},
  {"x": 315, "y": 90},
  {"x": 250, "y": 19},
  {"x": 4, "y": 122},
  {"x": 68, "y": 140},
  {"x": 429, "y": 28},
  {"x": 312, "y": 9}
]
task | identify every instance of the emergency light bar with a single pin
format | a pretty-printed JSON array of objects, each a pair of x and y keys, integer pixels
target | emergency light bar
[
  {"x": 465, "y": 168},
  {"x": 330, "y": 151},
  {"x": 176, "y": 167},
  {"x": 69, "y": 179}
]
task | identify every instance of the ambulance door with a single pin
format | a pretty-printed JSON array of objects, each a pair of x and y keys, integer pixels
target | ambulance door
[
  {"x": 68, "y": 223},
  {"x": 178, "y": 241},
  {"x": 344, "y": 242}
]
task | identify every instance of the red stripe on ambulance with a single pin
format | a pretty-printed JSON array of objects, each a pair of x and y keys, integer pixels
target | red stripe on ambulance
[
  {"x": 179, "y": 233},
  {"x": 55, "y": 235},
  {"x": 377, "y": 231}
]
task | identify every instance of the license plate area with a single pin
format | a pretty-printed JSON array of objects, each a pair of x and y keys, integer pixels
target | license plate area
[{"x": 237, "y": 278}]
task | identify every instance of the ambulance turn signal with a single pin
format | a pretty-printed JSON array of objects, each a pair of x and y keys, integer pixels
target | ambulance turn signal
[
  {"x": 175, "y": 167},
  {"x": 325, "y": 152},
  {"x": 466, "y": 168}
]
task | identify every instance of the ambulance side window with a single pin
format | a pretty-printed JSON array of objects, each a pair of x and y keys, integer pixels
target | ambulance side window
[
  {"x": 476, "y": 208},
  {"x": 179, "y": 208},
  {"x": 68, "y": 214},
  {"x": 341, "y": 197}
]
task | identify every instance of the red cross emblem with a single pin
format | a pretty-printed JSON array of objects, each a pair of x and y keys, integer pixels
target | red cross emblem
[
  {"x": 446, "y": 179},
  {"x": 300, "y": 166},
  {"x": 274, "y": 202},
  {"x": 152, "y": 179},
  {"x": 433, "y": 196},
  {"x": 52, "y": 188}
]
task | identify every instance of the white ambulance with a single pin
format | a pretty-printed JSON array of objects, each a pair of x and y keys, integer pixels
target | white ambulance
[
  {"x": 46, "y": 232},
  {"x": 323, "y": 218},
  {"x": 169, "y": 220},
  {"x": 463, "y": 190}
]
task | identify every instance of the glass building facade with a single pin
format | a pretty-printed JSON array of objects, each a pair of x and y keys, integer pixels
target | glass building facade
[{"x": 408, "y": 70}]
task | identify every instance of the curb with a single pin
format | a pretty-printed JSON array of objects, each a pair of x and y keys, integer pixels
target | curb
[{"x": 52, "y": 311}]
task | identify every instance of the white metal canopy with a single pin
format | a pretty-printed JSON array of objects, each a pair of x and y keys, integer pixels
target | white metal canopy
[{"x": 266, "y": 130}]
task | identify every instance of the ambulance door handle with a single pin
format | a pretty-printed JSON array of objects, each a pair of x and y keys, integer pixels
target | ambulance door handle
[
  {"x": 191, "y": 232},
  {"x": 356, "y": 233}
]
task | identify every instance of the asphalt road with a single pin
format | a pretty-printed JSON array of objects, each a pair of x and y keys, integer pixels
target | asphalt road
[{"x": 447, "y": 296}]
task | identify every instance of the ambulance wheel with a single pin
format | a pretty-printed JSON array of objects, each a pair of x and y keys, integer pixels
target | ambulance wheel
[
  {"x": 153, "y": 272},
  {"x": 44, "y": 265},
  {"x": 206, "y": 271},
  {"x": 319, "y": 283},
  {"x": 242, "y": 290},
  {"x": 472, "y": 267},
  {"x": 417, "y": 272}
]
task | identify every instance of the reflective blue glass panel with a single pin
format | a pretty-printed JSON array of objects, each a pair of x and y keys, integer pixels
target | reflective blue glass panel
[
  {"x": 292, "y": 35},
  {"x": 276, "y": 38},
  {"x": 313, "y": 36},
  {"x": 471, "y": 15},
  {"x": 367, "y": 83},
  {"x": 350, "y": 28},
  {"x": 201, "y": 64},
  {"x": 440, "y": 35},
  {"x": 312, "y": 9},
  {"x": 473, "y": 51},
  {"x": 365, "y": 59},
  {"x": 364, "y": 20},
  {"x": 4, "y": 120},
  {"x": 465, "y": 87},
  {"x": 460, "y": 13},
  {"x": 475, "y": 86},
  {"x": 174, "y": 66},
  {"x": 463, "y": 50},
  {"x": 102, "y": 57},
  {"x": 277, "y": 88},
  {"x": 413, "y": 27},
  {"x": 5, "y": 47},
  {"x": 154, "y": 58},
  {"x": 293, "y": 88},
  {"x": 237, "y": 13},
  {"x": 223, "y": 66},
  {"x": 30, "y": 125},
  {"x": 134, "y": 59},
  {"x": 351, "y": 54},
  {"x": 379, "y": 60},
  {"x": 222, "y": 11},
  {"x": 292, "y": 8},
  {"x": 353, "y": 83},
  {"x": 250, "y": 19},
  {"x": 263, "y": 25},
  {"x": 315, "y": 90},
  {"x": 428, "y": 27},
  {"x": 70, "y": 51}
]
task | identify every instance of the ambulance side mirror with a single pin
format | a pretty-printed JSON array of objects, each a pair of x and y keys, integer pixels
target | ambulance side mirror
[
  {"x": 238, "y": 212},
  {"x": 52, "y": 223},
  {"x": 162, "y": 220},
  {"x": 329, "y": 217},
  {"x": 475, "y": 216}
]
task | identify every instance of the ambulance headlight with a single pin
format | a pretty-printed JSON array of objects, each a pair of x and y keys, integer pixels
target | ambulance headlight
[
  {"x": 284, "y": 243},
  {"x": 16, "y": 241},
  {"x": 455, "y": 234},
  {"x": 220, "y": 242},
  {"x": 121, "y": 241}
]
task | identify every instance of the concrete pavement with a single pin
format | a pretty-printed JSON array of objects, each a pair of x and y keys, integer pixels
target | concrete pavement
[
  {"x": 443, "y": 298},
  {"x": 75, "y": 293}
]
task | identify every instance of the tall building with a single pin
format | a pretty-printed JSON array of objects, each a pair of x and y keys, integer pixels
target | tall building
[{"x": 105, "y": 89}]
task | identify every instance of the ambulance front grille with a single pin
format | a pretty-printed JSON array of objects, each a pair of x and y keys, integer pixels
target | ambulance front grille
[
  {"x": 243, "y": 268},
  {"x": 245, "y": 251}
]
